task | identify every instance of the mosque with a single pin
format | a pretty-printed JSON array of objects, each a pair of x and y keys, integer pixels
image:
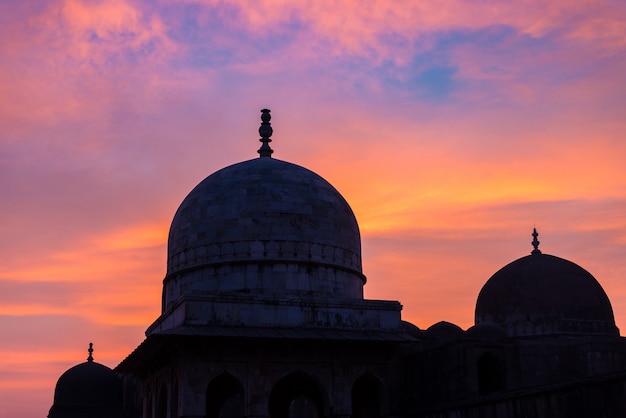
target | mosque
[{"x": 263, "y": 315}]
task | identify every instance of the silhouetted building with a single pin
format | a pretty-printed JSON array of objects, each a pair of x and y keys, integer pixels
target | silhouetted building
[
  {"x": 86, "y": 390},
  {"x": 263, "y": 315}
]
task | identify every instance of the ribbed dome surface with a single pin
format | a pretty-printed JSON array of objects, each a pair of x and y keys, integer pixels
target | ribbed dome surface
[
  {"x": 544, "y": 294},
  {"x": 259, "y": 213},
  {"x": 87, "y": 388}
]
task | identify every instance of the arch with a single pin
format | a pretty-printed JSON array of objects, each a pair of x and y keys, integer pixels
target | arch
[
  {"x": 296, "y": 395},
  {"x": 491, "y": 374},
  {"x": 161, "y": 409},
  {"x": 224, "y": 398},
  {"x": 366, "y": 397}
]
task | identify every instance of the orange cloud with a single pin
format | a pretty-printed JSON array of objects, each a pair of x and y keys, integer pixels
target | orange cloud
[
  {"x": 114, "y": 278},
  {"x": 133, "y": 237},
  {"x": 110, "y": 112}
]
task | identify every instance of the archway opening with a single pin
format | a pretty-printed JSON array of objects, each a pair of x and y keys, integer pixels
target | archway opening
[
  {"x": 224, "y": 398},
  {"x": 366, "y": 397},
  {"x": 303, "y": 407},
  {"x": 296, "y": 396}
]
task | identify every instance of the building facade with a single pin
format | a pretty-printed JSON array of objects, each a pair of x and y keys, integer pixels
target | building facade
[{"x": 263, "y": 315}]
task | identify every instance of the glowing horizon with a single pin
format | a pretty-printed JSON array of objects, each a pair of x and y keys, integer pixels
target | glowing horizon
[{"x": 452, "y": 128}]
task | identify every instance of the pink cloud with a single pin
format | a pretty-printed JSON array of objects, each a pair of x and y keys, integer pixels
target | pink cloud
[
  {"x": 350, "y": 27},
  {"x": 110, "y": 112}
]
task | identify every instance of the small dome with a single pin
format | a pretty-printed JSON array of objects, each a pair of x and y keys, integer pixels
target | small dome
[
  {"x": 87, "y": 389},
  {"x": 264, "y": 226},
  {"x": 444, "y": 331},
  {"x": 411, "y": 329},
  {"x": 543, "y": 294}
]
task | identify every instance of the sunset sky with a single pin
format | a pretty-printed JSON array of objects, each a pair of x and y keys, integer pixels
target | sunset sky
[{"x": 452, "y": 127}]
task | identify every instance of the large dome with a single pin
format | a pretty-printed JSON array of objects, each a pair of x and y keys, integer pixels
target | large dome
[
  {"x": 543, "y": 294},
  {"x": 264, "y": 225}
]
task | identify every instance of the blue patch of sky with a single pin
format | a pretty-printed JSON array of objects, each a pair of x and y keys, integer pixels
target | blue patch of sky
[
  {"x": 433, "y": 76},
  {"x": 436, "y": 82},
  {"x": 427, "y": 76}
]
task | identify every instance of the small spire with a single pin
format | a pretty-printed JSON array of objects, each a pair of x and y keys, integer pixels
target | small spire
[
  {"x": 90, "y": 358},
  {"x": 535, "y": 242},
  {"x": 265, "y": 131}
]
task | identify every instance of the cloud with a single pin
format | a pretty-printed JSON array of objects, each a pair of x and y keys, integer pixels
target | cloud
[
  {"x": 383, "y": 30},
  {"x": 72, "y": 60},
  {"x": 451, "y": 128},
  {"x": 430, "y": 262}
]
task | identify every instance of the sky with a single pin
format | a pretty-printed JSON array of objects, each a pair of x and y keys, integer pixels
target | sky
[{"x": 452, "y": 127}]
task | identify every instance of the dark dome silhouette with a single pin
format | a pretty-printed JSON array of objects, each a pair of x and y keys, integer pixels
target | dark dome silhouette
[
  {"x": 544, "y": 294},
  {"x": 258, "y": 212},
  {"x": 88, "y": 389},
  {"x": 444, "y": 331}
]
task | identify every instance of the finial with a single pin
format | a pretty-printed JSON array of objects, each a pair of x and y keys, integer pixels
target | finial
[
  {"x": 265, "y": 131},
  {"x": 535, "y": 242},
  {"x": 90, "y": 358}
]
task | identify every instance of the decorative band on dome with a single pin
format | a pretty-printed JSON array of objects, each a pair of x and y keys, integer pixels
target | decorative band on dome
[{"x": 264, "y": 252}]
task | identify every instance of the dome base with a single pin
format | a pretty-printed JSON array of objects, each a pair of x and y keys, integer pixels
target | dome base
[{"x": 238, "y": 309}]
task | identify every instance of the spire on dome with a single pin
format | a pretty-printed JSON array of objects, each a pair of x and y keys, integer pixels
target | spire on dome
[
  {"x": 265, "y": 131},
  {"x": 535, "y": 242},
  {"x": 90, "y": 358}
]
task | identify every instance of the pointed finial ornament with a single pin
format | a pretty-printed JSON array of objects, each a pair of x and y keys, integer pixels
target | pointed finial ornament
[
  {"x": 265, "y": 131},
  {"x": 535, "y": 242},
  {"x": 90, "y": 358}
]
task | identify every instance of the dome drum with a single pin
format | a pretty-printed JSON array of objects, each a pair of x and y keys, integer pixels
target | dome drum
[
  {"x": 269, "y": 277},
  {"x": 247, "y": 251}
]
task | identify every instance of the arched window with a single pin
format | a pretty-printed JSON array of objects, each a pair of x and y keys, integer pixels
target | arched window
[
  {"x": 224, "y": 398},
  {"x": 296, "y": 396},
  {"x": 491, "y": 374},
  {"x": 161, "y": 410},
  {"x": 366, "y": 397}
]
